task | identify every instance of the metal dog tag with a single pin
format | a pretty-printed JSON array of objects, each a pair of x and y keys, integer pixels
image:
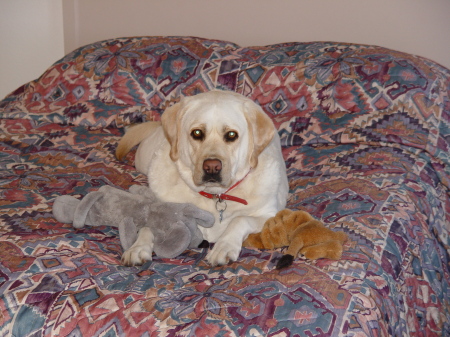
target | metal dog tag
[{"x": 221, "y": 206}]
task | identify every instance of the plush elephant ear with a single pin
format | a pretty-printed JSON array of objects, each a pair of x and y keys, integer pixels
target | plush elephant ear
[
  {"x": 127, "y": 232},
  {"x": 194, "y": 217},
  {"x": 173, "y": 241},
  {"x": 200, "y": 217}
]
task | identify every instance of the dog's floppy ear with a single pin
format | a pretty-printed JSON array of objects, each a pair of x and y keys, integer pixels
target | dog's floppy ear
[
  {"x": 171, "y": 123},
  {"x": 261, "y": 130}
]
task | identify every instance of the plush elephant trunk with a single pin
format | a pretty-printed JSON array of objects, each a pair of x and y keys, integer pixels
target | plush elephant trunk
[{"x": 67, "y": 209}]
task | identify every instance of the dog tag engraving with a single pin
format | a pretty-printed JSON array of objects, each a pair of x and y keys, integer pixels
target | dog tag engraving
[{"x": 221, "y": 206}]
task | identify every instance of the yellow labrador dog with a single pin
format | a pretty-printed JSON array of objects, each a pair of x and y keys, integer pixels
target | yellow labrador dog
[{"x": 220, "y": 152}]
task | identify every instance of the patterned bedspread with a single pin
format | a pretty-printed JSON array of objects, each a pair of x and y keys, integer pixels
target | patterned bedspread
[{"x": 365, "y": 134}]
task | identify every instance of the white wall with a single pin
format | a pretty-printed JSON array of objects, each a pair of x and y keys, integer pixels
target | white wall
[
  {"x": 416, "y": 26},
  {"x": 36, "y": 33},
  {"x": 31, "y": 39}
]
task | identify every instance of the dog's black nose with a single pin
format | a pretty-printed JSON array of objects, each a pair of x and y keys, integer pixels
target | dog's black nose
[{"x": 212, "y": 166}]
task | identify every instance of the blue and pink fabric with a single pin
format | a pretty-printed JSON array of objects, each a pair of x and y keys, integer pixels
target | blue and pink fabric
[{"x": 365, "y": 133}]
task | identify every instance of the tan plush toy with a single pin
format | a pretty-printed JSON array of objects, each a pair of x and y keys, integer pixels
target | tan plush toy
[{"x": 301, "y": 233}]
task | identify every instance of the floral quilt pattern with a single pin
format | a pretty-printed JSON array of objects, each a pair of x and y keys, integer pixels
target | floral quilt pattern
[{"x": 365, "y": 133}]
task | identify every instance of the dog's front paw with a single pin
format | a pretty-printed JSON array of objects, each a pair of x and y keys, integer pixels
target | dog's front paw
[
  {"x": 136, "y": 255},
  {"x": 222, "y": 253},
  {"x": 141, "y": 251}
]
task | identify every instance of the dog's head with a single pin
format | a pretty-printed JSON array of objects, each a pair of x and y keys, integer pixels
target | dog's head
[{"x": 216, "y": 138}]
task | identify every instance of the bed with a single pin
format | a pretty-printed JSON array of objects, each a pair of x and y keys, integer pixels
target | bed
[{"x": 365, "y": 133}]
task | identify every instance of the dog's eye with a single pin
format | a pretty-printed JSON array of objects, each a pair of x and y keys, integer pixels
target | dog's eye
[
  {"x": 231, "y": 136},
  {"x": 197, "y": 134}
]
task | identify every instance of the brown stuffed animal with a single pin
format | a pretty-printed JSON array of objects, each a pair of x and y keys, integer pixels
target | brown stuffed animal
[{"x": 302, "y": 233}]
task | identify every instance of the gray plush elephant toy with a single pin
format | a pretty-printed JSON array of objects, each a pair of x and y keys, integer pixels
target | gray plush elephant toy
[{"x": 173, "y": 225}]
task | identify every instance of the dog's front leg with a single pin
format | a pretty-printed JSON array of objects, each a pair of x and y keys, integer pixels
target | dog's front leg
[
  {"x": 141, "y": 250},
  {"x": 229, "y": 246}
]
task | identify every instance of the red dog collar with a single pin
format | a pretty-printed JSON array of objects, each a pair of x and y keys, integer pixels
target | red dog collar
[{"x": 225, "y": 196}]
